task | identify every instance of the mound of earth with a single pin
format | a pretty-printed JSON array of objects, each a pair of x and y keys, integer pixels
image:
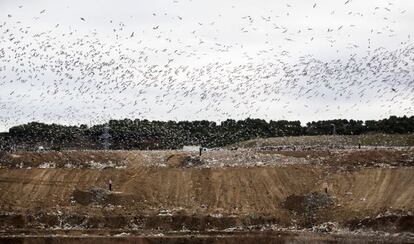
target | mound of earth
[
  {"x": 308, "y": 206},
  {"x": 387, "y": 222},
  {"x": 182, "y": 160},
  {"x": 100, "y": 196}
]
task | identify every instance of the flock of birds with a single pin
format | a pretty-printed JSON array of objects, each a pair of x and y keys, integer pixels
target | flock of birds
[{"x": 55, "y": 75}]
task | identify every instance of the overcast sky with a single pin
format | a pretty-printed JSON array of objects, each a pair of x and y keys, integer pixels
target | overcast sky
[{"x": 82, "y": 61}]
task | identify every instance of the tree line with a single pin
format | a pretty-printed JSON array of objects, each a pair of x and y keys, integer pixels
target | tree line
[{"x": 145, "y": 134}]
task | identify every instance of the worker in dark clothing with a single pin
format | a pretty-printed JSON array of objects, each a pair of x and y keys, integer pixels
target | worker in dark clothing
[
  {"x": 201, "y": 149},
  {"x": 110, "y": 185},
  {"x": 325, "y": 187}
]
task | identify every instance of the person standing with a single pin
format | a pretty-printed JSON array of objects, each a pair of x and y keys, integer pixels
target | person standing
[{"x": 325, "y": 187}]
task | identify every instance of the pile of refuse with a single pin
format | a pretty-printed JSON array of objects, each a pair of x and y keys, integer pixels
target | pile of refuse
[
  {"x": 183, "y": 161},
  {"x": 308, "y": 206}
]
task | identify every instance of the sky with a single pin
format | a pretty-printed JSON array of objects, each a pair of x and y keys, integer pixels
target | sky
[{"x": 85, "y": 62}]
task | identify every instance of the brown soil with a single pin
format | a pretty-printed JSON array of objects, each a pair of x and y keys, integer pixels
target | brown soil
[
  {"x": 178, "y": 160},
  {"x": 373, "y": 157},
  {"x": 309, "y": 206},
  {"x": 149, "y": 197},
  {"x": 75, "y": 158},
  {"x": 388, "y": 223},
  {"x": 216, "y": 238},
  {"x": 300, "y": 154},
  {"x": 349, "y": 158},
  {"x": 101, "y": 196}
]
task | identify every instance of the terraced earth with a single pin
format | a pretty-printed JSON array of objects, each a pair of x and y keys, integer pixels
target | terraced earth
[{"x": 326, "y": 195}]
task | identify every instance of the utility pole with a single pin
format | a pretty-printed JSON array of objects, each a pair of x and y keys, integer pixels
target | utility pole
[
  {"x": 333, "y": 129},
  {"x": 333, "y": 133},
  {"x": 106, "y": 137}
]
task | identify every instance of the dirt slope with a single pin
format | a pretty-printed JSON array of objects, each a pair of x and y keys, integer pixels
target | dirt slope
[{"x": 236, "y": 193}]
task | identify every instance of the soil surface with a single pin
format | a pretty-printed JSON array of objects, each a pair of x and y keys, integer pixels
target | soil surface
[{"x": 174, "y": 197}]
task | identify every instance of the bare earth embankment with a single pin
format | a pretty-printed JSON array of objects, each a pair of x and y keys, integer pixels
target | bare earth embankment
[{"x": 240, "y": 196}]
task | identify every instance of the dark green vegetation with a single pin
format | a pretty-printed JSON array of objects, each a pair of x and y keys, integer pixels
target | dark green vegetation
[{"x": 144, "y": 134}]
